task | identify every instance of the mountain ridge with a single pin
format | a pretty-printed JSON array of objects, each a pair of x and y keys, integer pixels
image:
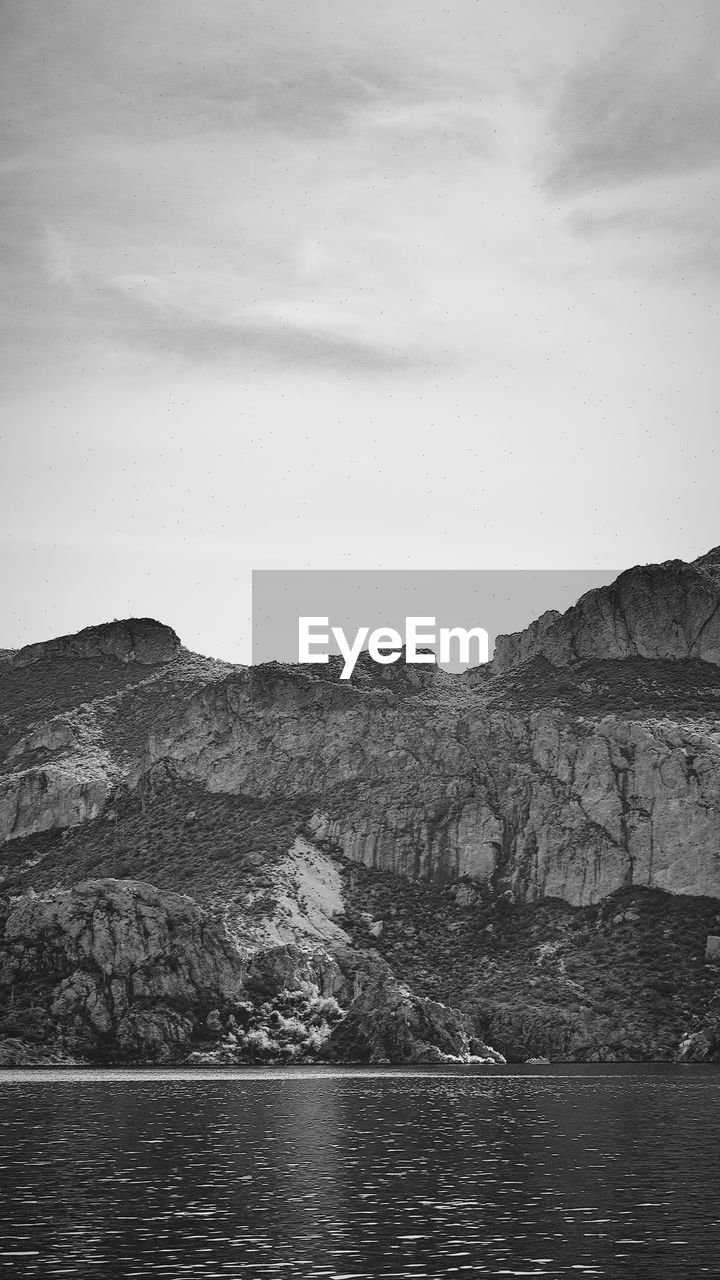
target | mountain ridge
[
  {"x": 582, "y": 767},
  {"x": 667, "y": 610}
]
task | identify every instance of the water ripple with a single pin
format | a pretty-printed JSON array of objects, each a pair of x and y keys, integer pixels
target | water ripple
[{"x": 348, "y": 1175}]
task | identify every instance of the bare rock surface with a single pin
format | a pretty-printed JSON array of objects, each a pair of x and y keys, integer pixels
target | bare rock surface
[
  {"x": 301, "y": 898},
  {"x": 126, "y": 964},
  {"x": 712, "y": 949},
  {"x": 154, "y": 944},
  {"x": 535, "y": 804},
  {"x": 140, "y": 640},
  {"x": 669, "y": 610},
  {"x": 56, "y": 796}
]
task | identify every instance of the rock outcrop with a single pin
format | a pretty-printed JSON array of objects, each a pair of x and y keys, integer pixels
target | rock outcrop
[
  {"x": 140, "y": 640},
  {"x": 669, "y": 610},
  {"x": 120, "y": 971},
  {"x": 57, "y": 795},
  {"x": 289, "y": 968},
  {"x": 386, "y": 1022},
  {"x": 532, "y": 803},
  {"x": 127, "y": 968}
]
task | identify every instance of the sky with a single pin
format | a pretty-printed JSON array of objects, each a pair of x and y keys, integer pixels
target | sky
[{"x": 383, "y": 285}]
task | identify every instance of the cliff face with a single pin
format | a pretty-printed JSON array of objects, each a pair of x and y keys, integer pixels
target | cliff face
[
  {"x": 527, "y": 784},
  {"x": 585, "y": 763},
  {"x": 124, "y": 966},
  {"x": 669, "y": 610},
  {"x": 450, "y": 783}
]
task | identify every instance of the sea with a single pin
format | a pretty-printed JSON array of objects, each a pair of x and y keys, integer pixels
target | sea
[{"x": 343, "y": 1174}]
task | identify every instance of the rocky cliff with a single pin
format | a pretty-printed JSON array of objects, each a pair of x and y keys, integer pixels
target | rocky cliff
[
  {"x": 669, "y": 610},
  {"x": 582, "y": 767},
  {"x": 123, "y": 965},
  {"x": 141, "y": 640},
  {"x": 531, "y": 787}
]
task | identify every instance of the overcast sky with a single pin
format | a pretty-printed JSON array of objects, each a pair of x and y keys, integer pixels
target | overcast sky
[{"x": 382, "y": 284}]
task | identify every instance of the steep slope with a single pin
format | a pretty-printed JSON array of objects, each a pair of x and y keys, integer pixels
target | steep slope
[
  {"x": 123, "y": 966},
  {"x": 669, "y": 610},
  {"x": 584, "y": 764},
  {"x": 532, "y": 797}
]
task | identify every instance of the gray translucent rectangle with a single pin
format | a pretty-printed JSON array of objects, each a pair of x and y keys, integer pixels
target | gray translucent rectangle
[{"x": 499, "y": 600}]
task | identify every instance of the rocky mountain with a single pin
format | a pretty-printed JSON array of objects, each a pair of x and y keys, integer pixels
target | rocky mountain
[
  {"x": 654, "y": 611},
  {"x": 205, "y": 862}
]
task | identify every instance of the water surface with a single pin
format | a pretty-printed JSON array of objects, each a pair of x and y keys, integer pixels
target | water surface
[{"x": 555, "y": 1171}]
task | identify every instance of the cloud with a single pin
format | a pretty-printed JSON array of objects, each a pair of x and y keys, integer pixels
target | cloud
[
  {"x": 363, "y": 258},
  {"x": 278, "y": 176},
  {"x": 665, "y": 227},
  {"x": 323, "y": 185},
  {"x": 290, "y": 90},
  {"x": 280, "y": 343},
  {"x": 207, "y": 339},
  {"x": 194, "y": 316},
  {"x": 632, "y": 154},
  {"x": 636, "y": 111}
]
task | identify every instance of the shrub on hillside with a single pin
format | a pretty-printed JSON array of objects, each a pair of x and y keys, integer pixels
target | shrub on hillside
[{"x": 292, "y": 1027}]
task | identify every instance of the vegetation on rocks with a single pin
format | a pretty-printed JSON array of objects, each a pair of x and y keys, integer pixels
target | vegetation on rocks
[
  {"x": 292, "y": 1027},
  {"x": 272, "y": 864},
  {"x": 387, "y": 1022},
  {"x": 620, "y": 981},
  {"x": 173, "y": 832}
]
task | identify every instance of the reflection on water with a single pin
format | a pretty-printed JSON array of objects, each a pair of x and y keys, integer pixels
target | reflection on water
[{"x": 350, "y": 1174}]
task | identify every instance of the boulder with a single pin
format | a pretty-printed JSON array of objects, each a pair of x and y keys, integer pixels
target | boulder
[{"x": 712, "y": 949}]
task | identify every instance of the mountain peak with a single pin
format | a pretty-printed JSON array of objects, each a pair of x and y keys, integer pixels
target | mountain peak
[
  {"x": 669, "y": 610},
  {"x": 143, "y": 640}
]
